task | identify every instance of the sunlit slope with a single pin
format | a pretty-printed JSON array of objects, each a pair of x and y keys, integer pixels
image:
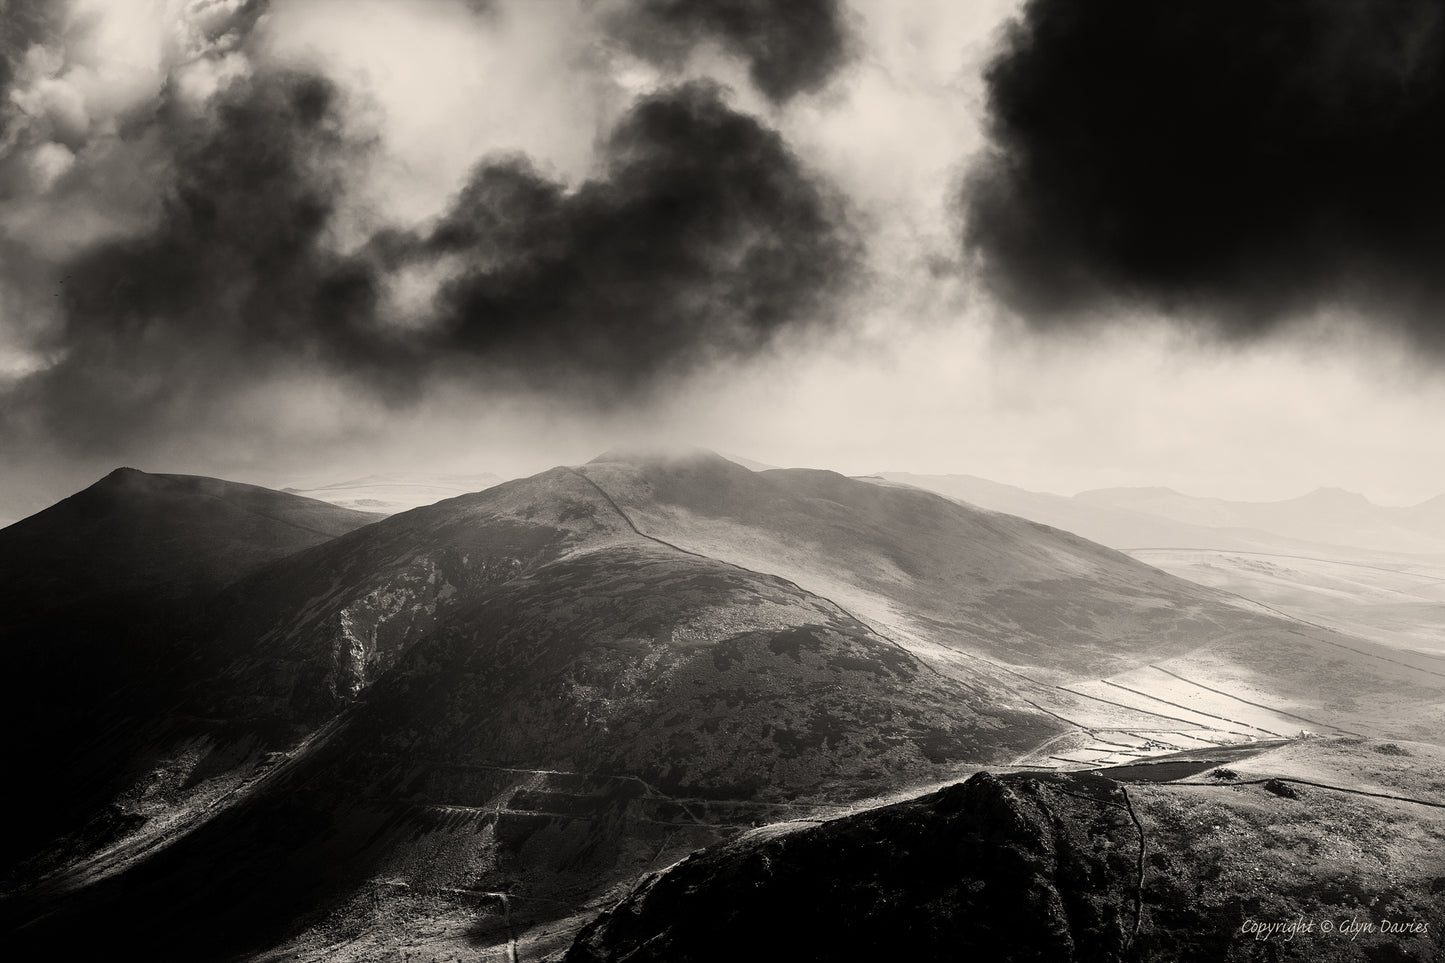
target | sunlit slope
[
  {"x": 911, "y": 561},
  {"x": 1059, "y": 619},
  {"x": 1402, "y": 608}
]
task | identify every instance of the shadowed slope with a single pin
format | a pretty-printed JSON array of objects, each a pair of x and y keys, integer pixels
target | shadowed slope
[
  {"x": 95, "y": 594},
  {"x": 162, "y": 535},
  {"x": 527, "y": 696}
]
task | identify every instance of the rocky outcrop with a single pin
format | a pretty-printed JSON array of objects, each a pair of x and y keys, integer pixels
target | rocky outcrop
[{"x": 986, "y": 869}]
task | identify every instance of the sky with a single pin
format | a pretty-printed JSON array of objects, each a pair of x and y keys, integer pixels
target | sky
[{"x": 1056, "y": 244}]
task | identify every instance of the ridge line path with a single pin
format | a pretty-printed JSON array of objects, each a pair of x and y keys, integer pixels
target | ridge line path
[{"x": 743, "y": 568}]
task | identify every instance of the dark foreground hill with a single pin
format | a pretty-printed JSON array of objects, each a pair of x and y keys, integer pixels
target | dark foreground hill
[{"x": 1067, "y": 868}]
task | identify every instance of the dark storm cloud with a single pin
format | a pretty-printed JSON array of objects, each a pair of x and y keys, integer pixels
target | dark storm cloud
[
  {"x": 791, "y": 46},
  {"x": 700, "y": 238},
  {"x": 1237, "y": 162},
  {"x": 26, "y": 22},
  {"x": 155, "y": 326},
  {"x": 22, "y": 23}
]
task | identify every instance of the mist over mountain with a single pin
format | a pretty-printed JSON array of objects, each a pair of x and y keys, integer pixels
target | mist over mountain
[{"x": 1329, "y": 516}]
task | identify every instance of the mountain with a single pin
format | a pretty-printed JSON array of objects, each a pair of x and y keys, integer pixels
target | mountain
[
  {"x": 397, "y": 491},
  {"x": 1329, "y": 558},
  {"x": 521, "y": 663},
  {"x": 1073, "y": 627},
  {"x": 495, "y": 713},
  {"x": 1326, "y": 516},
  {"x": 135, "y": 533},
  {"x": 936, "y": 572},
  {"x": 1140, "y": 519}
]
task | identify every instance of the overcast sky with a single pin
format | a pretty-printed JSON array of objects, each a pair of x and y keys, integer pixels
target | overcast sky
[{"x": 305, "y": 240}]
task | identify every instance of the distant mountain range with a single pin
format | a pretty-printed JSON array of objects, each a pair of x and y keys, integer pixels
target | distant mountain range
[
  {"x": 1330, "y": 557},
  {"x": 1328, "y": 521},
  {"x": 266, "y": 726}
]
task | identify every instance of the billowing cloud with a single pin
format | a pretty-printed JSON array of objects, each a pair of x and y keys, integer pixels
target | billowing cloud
[
  {"x": 154, "y": 326},
  {"x": 1241, "y": 164},
  {"x": 699, "y": 238},
  {"x": 791, "y": 47}
]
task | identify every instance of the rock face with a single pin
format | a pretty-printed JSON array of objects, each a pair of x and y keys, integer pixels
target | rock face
[{"x": 988, "y": 869}]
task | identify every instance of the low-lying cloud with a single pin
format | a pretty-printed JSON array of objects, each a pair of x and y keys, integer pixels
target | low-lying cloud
[{"x": 699, "y": 238}]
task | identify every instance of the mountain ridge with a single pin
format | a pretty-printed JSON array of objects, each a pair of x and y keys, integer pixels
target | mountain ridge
[{"x": 536, "y": 693}]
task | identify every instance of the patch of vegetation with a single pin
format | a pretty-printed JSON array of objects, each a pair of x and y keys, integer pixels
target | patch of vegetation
[
  {"x": 1228, "y": 774},
  {"x": 1390, "y": 749},
  {"x": 1282, "y": 789}
]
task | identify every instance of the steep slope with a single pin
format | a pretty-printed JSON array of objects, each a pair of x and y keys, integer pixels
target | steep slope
[
  {"x": 303, "y": 637},
  {"x": 95, "y": 593}
]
